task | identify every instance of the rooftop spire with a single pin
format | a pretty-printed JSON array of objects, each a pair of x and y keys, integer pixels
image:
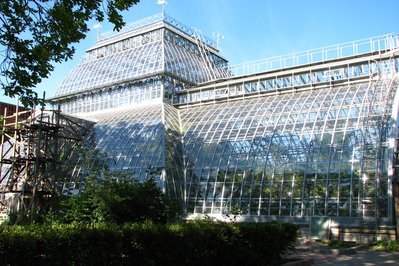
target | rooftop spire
[{"x": 163, "y": 3}]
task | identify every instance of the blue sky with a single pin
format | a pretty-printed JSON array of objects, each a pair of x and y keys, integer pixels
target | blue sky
[{"x": 256, "y": 29}]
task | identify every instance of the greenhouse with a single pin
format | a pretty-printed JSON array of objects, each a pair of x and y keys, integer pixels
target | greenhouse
[{"x": 310, "y": 134}]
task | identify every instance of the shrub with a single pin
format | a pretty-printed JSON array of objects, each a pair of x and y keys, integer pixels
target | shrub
[
  {"x": 116, "y": 200},
  {"x": 386, "y": 245},
  {"x": 192, "y": 243}
]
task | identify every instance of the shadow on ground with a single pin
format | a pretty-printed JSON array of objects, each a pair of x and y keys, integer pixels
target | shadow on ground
[{"x": 308, "y": 252}]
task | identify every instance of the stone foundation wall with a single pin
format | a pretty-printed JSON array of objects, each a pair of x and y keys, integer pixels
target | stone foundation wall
[{"x": 352, "y": 233}]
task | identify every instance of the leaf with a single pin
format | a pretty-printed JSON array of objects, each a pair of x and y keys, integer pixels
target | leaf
[{"x": 37, "y": 34}]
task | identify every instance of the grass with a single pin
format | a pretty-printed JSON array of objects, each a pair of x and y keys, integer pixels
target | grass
[
  {"x": 338, "y": 244},
  {"x": 378, "y": 245},
  {"x": 385, "y": 245}
]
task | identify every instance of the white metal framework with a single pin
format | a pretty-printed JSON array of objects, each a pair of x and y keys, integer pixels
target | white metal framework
[{"x": 312, "y": 152}]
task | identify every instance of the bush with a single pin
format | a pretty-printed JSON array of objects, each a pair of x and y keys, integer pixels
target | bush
[
  {"x": 386, "y": 245},
  {"x": 116, "y": 200},
  {"x": 193, "y": 243}
]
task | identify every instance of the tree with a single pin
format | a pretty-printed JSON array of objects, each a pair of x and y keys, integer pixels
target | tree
[{"x": 35, "y": 34}]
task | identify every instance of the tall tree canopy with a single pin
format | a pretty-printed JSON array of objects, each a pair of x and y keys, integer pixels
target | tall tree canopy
[{"x": 35, "y": 34}]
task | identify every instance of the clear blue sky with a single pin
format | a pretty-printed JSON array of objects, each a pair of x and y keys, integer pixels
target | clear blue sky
[{"x": 257, "y": 29}]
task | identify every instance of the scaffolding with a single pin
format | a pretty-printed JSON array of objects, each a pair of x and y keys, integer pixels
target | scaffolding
[{"x": 33, "y": 144}]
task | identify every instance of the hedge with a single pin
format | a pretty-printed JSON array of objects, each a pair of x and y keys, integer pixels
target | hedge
[{"x": 190, "y": 243}]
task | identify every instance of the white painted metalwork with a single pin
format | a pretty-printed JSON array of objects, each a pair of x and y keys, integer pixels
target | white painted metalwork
[
  {"x": 161, "y": 17},
  {"x": 334, "y": 111},
  {"x": 291, "y": 79},
  {"x": 138, "y": 56},
  {"x": 378, "y": 44}
]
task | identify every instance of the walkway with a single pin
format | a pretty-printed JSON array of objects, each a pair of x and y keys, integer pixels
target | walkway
[
  {"x": 313, "y": 253},
  {"x": 364, "y": 257}
]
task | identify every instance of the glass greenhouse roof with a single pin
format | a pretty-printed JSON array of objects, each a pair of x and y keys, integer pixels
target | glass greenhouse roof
[
  {"x": 112, "y": 69},
  {"x": 161, "y": 17},
  {"x": 146, "y": 49}
]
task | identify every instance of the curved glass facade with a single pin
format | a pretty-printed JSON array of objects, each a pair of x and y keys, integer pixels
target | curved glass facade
[
  {"x": 138, "y": 140},
  {"x": 130, "y": 139},
  {"x": 310, "y": 153}
]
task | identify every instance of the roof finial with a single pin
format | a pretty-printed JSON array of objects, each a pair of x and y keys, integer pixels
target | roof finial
[
  {"x": 98, "y": 28},
  {"x": 218, "y": 36},
  {"x": 163, "y": 3}
]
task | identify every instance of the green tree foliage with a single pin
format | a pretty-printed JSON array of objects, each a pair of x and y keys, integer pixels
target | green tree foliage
[
  {"x": 35, "y": 34},
  {"x": 117, "y": 200}
]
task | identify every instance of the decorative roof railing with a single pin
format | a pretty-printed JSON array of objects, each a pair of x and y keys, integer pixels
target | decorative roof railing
[
  {"x": 154, "y": 19},
  {"x": 370, "y": 45}
]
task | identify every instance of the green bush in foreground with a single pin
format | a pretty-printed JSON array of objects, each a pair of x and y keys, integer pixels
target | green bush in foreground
[
  {"x": 385, "y": 245},
  {"x": 191, "y": 243},
  {"x": 119, "y": 200},
  {"x": 114, "y": 198}
]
